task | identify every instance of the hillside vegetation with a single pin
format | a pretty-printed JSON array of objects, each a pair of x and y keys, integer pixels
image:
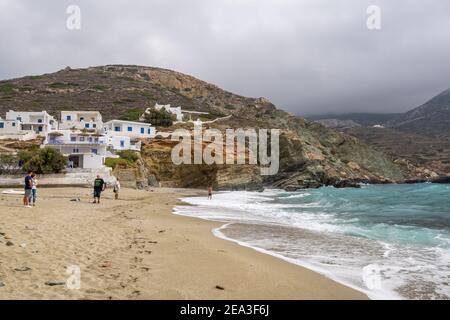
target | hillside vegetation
[{"x": 310, "y": 154}]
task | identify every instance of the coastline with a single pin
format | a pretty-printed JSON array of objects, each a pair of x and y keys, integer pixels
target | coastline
[{"x": 135, "y": 248}]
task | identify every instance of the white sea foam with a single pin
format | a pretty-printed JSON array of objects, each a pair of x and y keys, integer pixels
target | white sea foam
[{"x": 342, "y": 249}]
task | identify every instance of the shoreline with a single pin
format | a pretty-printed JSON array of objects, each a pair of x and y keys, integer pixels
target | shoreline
[
  {"x": 220, "y": 235},
  {"x": 137, "y": 248},
  {"x": 217, "y": 232}
]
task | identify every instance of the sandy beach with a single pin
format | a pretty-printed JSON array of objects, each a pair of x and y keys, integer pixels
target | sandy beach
[{"x": 135, "y": 248}]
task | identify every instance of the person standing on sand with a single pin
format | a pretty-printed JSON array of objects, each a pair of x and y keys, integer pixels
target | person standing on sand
[
  {"x": 116, "y": 189},
  {"x": 34, "y": 183},
  {"x": 210, "y": 192},
  {"x": 28, "y": 187},
  {"x": 99, "y": 186}
]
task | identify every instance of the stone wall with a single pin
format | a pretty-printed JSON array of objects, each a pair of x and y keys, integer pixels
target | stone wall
[{"x": 75, "y": 177}]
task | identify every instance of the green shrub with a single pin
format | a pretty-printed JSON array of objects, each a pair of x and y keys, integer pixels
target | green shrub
[
  {"x": 114, "y": 162},
  {"x": 25, "y": 156},
  {"x": 9, "y": 164},
  {"x": 145, "y": 76},
  {"x": 132, "y": 114},
  {"x": 47, "y": 160},
  {"x": 160, "y": 118},
  {"x": 128, "y": 155},
  {"x": 63, "y": 85},
  {"x": 147, "y": 94},
  {"x": 100, "y": 87},
  {"x": 7, "y": 88}
]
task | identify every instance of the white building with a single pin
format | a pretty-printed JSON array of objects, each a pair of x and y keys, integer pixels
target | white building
[
  {"x": 83, "y": 150},
  {"x": 173, "y": 110},
  {"x": 8, "y": 127},
  {"x": 40, "y": 123},
  {"x": 180, "y": 114},
  {"x": 134, "y": 130},
  {"x": 119, "y": 143},
  {"x": 81, "y": 120}
]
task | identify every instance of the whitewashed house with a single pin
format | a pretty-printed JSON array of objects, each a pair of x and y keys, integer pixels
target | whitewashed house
[
  {"x": 130, "y": 129},
  {"x": 84, "y": 150},
  {"x": 180, "y": 114},
  {"x": 11, "y": 129},
  {"x": 8, "y": 127},
  {"x": 81, "y": 120},
  {"x": 120, "y": 143},
  {"x": 41, "y": 123},
  {"x": 173, "y": 110}
]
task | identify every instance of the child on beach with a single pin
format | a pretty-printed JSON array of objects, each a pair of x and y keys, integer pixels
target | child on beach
[
  {"x": 116, "y": 189},
  {"x": 34, "y": 184}
]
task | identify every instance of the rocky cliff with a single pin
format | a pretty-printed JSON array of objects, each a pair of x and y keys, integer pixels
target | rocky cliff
[{"x": 310, "y": 154}]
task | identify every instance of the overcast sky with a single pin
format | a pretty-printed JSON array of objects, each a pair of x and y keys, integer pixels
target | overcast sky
[{"x": 306, "y": 56}]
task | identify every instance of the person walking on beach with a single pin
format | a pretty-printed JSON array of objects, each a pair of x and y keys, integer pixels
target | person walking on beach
[
  {"x": 28, "y": 187},
  {"x": 210, "y": 192},
  {"x": 34, "y": 183},
  {"x": 116, "y": 189},
  {"x": 99, "y": 186}
]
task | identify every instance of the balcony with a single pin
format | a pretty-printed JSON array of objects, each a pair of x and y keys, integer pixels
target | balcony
[{"x": 65, "y": 142}]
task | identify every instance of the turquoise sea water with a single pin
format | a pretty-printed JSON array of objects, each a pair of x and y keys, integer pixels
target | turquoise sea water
[{"x": 390, "y": 241}]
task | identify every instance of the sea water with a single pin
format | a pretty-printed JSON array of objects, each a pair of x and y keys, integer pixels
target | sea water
[{"x": 388, "y": 241}]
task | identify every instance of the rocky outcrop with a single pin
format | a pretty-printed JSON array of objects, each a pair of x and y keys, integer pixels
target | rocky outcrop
[
  {"x": 310, "y": 154},
  {"x": 445, "y": 180},
  {"x": 156, "y": 156}
]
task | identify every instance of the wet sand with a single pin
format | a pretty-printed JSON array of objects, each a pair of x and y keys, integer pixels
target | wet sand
[{"x": 135, "y": 248}]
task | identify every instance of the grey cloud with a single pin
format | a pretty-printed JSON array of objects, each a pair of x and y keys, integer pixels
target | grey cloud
[{"x": 307, "y": 56}]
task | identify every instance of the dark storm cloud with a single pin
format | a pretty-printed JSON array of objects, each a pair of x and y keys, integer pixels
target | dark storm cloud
[{"x": 307, "y": 56}]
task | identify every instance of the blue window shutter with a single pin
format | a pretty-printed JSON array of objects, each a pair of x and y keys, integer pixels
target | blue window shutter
[
  {"x": 86, "y": 125},
  {"x": 2, "y": 125},
  {"x": 130, "y": 129},
  {"x": 142, "y": 130},
  {"x": 68, "y": 118}
]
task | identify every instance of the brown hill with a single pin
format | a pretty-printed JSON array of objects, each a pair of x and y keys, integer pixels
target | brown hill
[{"x": 310, "y": 154}]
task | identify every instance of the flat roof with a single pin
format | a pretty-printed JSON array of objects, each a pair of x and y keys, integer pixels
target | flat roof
[
  {"x": 29, "y": 112},
  {"x": 130, "y": 122},
  {"x": 76, "y": 111},
  {"x": 196, "y": 112}
]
